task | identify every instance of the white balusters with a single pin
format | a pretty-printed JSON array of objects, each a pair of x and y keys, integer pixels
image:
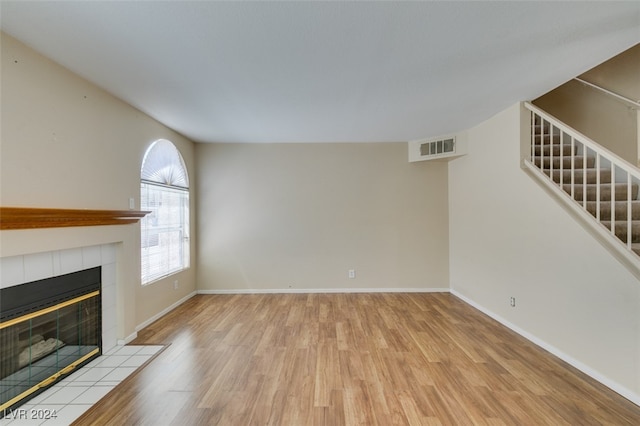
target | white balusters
[
  {"x": 613, "y": 199},
  {"x": 629, "y": 222},
  {"x": 573, "y": 167},
  {"x": 598, "y": 186},
  {"x": 594, "y": 177},
  {"x": 584, "y": 176},
  {"x": 561, "y": 159},
  {"x": 551, "y": 151}
]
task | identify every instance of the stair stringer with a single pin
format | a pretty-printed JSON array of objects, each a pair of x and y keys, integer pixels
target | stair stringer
[{"x": 599, "y": 232}]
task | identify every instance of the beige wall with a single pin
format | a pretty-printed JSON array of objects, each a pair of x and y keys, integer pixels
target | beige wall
[
  {"x": 65, "y": 143},
  {"x": 509, "y": 238},
  {"x": 620, "y": 74},
  {"x": 601, "y": 117},
  {"x": 299, "y": 216}
]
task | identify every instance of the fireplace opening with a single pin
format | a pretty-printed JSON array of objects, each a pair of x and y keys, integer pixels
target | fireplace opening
[{"x": 48, "y": 329}]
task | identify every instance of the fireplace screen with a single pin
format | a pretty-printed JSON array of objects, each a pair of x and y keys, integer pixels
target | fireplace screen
[{"x": 41, "y": 341}]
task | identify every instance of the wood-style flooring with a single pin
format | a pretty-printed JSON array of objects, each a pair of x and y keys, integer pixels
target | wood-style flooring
[{"x": 350, "y": 359}]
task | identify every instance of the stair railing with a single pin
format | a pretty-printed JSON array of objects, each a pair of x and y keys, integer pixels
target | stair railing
[
  {"x": 568, "y": 169},
  {"x": 624, "y": 99}
]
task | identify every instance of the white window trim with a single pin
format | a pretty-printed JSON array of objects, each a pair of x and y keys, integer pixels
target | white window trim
[{"x": 171, "y": 257}]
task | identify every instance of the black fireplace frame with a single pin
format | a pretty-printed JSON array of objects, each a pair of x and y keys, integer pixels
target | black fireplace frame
[{"x": 36, "y": 295}]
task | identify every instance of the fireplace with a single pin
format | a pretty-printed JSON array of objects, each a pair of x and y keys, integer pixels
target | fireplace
[{"x": 48, "y": 328}]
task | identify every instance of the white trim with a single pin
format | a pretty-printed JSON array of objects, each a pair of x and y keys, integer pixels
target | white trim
[
  {"x": 323, "y": 290},
  {"x": 164, "y": 311},
  {"x": 128, "y": 339},
  {"x": 614, "y": 386}
]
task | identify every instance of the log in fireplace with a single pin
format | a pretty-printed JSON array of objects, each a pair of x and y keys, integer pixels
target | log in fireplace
[{"x": 48, "y": 328}]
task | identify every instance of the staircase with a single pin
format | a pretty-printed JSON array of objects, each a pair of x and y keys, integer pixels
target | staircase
[{"x": 601, "y": 183}]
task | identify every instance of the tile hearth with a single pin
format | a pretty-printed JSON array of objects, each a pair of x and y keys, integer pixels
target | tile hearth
[{"x": 72, "y": 396}]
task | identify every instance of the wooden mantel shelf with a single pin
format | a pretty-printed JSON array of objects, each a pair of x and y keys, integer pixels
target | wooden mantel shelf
[{"x": 32, "y": 218}]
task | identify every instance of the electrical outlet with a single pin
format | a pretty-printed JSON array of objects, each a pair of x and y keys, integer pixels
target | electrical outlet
[
  {"x": 176, "y": 284},
  {"x": 352, "y": 274},
  {"x": 512, "y": 302}
]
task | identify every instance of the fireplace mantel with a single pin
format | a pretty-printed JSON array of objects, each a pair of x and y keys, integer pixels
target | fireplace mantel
[{"x": 13, "y": 218}]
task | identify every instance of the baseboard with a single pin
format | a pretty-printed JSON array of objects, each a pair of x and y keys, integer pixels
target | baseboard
[
  {"x": 128, "y": 339},
  {"x": 323, "y": 290},
  {"x": 614, "y": 386},
  {"x": 164, "y": 311}
]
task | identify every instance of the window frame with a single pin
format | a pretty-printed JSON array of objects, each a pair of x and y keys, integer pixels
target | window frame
[{"x": 172, "y": 224}]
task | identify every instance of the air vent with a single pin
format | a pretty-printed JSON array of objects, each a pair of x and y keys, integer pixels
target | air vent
[{"x": 443, "y": 147}]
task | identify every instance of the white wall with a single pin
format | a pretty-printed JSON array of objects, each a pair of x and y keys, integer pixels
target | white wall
[
  {"x": 65, "y": 143},
  {"x": 297, "y": 217},
  {"x": 508, "y": 238}
]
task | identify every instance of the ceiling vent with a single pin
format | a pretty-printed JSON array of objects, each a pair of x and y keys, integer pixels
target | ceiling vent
[{"x": 431, "y": 149}]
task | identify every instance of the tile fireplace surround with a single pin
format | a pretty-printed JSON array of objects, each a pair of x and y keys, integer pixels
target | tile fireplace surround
[
  {"x": 22, "y": 269},
  {"x": 16, "y": 270}
]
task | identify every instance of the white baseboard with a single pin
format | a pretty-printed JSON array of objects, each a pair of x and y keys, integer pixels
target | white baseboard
[
  {"x": 128, "y": 339},
  {"x": 614, "y": 386},
  {"x": 323, "y": 290},
  {"x": 164, "y": 311}
]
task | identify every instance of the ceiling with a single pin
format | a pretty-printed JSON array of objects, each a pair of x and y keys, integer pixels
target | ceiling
[{"x": 324, "y": 71}]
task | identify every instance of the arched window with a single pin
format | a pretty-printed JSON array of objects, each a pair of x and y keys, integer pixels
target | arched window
[{"x": 164, "y": 190}]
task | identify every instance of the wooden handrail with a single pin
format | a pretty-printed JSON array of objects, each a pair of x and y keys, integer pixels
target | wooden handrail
[{"x": 13, "y": 218}]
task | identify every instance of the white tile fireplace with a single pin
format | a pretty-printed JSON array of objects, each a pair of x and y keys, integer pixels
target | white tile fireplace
[{"x": 16, "y": 270}]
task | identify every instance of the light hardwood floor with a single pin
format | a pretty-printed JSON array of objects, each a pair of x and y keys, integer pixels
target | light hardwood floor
[{"x": 350, "y": 359}]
